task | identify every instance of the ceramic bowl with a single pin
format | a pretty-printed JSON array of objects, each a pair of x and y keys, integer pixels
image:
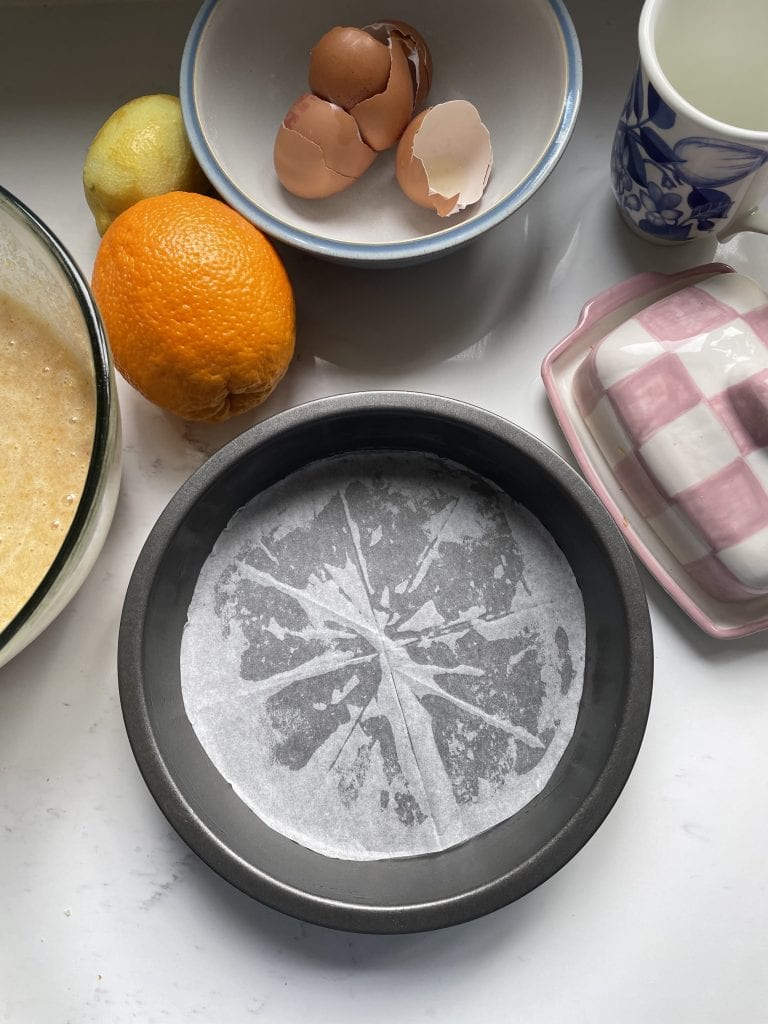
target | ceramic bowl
[
  {"x": 36, "y": 271},
  {"x": 244, "y": 66},
  {"x": 409, "y": 893}
]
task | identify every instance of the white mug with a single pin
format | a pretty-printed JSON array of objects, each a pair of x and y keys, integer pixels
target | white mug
[{"x": 690, "y": 155}]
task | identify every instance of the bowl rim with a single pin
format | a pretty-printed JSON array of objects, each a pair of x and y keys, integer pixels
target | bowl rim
[
  {"x": 372, "y": 253},
  {"x": 105, "y": 398},
  {"x": 339, "y": 911}
]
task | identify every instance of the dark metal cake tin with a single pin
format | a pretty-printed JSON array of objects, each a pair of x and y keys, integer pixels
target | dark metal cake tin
[{"x": 416, "y": 893}]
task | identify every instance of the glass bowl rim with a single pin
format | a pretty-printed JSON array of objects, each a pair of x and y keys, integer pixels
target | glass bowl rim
[{"x": 105, "y": 397}]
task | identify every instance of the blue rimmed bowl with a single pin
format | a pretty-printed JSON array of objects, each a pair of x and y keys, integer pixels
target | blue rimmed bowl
[{"x": 243, "y": 67}]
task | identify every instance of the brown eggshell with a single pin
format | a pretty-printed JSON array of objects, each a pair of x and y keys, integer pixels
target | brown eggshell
[
  {"x": 301, "y": 169},
  {"x": 411, "y": 176},
  {"x": 382, "y": 118},
  {"x": 318, "y": 150},
  {"x": 444, "y": 158},
  {"x": 416, "y": 50},
  {"x": 348, "y": 65}
]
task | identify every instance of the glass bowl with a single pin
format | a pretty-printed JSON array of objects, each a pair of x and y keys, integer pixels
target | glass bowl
[{"x": 38, "y": 276}]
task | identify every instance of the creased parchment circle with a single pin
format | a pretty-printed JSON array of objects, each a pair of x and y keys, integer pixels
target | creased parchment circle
[{"x": 384, "y": 655}]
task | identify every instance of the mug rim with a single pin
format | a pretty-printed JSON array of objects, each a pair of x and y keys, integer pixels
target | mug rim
[{"x": 670, "y": 95}]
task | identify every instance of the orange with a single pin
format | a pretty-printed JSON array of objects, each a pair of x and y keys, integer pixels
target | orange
[{"x": 197, "y": 305}]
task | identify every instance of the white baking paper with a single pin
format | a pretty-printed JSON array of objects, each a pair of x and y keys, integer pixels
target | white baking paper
[{"x": 384, "y": 655}]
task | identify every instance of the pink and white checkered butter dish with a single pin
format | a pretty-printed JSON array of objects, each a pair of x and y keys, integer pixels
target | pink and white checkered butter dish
[{"x": 662, "y": 393}]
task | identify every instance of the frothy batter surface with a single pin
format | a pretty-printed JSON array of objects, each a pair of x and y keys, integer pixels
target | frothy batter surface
[{"x": 47, "y": 417}]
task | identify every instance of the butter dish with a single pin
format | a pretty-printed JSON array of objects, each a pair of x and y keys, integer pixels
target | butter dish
[{"x": 662, "y": 393}]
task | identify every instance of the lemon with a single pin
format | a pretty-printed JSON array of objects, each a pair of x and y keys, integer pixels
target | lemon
[{"x": 141, "y": 150}]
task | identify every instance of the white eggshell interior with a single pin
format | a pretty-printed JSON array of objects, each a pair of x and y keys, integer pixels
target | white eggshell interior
[
  {"x": 508, "y": 59},
  {"x": 454, "y": 147}
]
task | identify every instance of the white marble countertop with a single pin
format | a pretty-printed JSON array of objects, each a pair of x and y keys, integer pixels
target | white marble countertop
[{"x": 106, "y": 915}]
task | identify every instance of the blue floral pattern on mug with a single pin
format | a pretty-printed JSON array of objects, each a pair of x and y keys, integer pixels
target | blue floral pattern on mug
[{"x": 674, "y": 190}]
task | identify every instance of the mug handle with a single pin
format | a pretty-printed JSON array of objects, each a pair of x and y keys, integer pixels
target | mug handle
[
  {"x": 755, "y": 219},
  {"x": 751, "y": 213}
]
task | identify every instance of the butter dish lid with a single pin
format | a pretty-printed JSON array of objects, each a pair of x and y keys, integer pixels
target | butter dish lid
[{"x": 662, "y": 392}]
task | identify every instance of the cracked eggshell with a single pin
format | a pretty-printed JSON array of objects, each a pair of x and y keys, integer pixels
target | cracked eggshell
[
  {"x": 382, "y": 118},
  {"x": 416, "y": 50},
  {"x": 318, "y": 150},
  {"x": 348, "y": 65},
  {"x": 444, "y": 158}
]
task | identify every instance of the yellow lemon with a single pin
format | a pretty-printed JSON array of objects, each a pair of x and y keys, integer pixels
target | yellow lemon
[{"x": 141, "y": 150}]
